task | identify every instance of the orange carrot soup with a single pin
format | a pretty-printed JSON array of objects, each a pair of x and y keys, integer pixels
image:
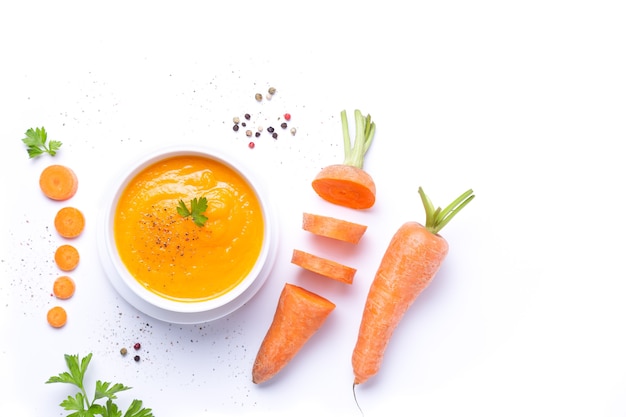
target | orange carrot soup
[{"x": 171, "y": 255}]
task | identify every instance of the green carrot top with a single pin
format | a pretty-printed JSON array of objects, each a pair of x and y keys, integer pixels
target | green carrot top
[
  {"x": 363, "y": 135},
  {"x": 437, "y": 218}
]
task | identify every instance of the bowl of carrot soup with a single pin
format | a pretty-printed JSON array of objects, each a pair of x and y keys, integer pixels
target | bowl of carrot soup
[{"x": 188, "y": 235}]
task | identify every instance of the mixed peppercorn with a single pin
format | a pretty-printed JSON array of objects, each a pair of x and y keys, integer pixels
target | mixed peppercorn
[
  {"x": 238, "y": 123},
  {"x": 136, "y": 346}
]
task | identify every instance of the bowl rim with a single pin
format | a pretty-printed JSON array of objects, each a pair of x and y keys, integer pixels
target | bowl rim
[{"x": 163, "y": 308}]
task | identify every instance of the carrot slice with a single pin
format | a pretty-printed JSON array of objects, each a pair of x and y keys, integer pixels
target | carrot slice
[
  {"x": 64, "y": 287},
  {"x": 299, "y": 315},
  {"x": 333, "y": 228},
  {"x": 67, "y": 257},
  {"x": 323, "y": 266},
  {"x": 58, "y": 182},
  {"x": 69, "y": 222},
  {"x": 57, "y": 317}
]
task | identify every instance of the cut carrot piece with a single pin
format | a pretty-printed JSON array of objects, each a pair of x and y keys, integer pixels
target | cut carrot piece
[
  {"x": 348, "y": 184},
  {"x": 67, "y": 257},
  {"x": 299, "y": 315},
  {"x": 69, "y": 222},
  {"x": 64, "y": 287},
  {"x": 57, "y": 316},
  {"x": 333, "y": 228},
  {"x": 345, "y": 185},
  {"x": 58, "y": 182},
  {"x": 323, "y": 266}
]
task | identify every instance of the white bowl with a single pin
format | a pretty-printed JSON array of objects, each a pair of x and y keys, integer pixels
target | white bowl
[{"x": 170, "y": 310}]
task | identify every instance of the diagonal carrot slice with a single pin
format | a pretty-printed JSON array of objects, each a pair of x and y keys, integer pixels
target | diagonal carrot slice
[
  {"x": 322, "y": 266},
  {"x": 333, "y": 228}
]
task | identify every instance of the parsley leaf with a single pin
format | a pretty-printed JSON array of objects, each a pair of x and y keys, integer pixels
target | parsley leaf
[
  {"x": 80, "y": 404},
  {"x": 35, "y": 141},
  {"x": 198, "y": 206},
  {"x": 105, "y": 390}
]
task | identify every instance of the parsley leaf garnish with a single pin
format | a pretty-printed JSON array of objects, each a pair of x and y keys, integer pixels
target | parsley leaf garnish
[
  {"x": 198, "y": 206},
  {"x": 80, "y": 403},
  {"x": 35, "y": 141}
]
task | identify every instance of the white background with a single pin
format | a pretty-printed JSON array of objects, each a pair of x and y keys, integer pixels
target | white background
[{"x": 522, "y": 101}]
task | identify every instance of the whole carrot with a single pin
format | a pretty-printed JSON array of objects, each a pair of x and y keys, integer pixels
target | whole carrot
[{"x": 410, "y": 262}]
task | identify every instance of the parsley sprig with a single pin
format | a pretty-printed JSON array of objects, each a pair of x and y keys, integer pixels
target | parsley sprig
[
  {"x": 35, "y": 141},
  {"x": 198, "y": 207},
  {"x": 80, "y": 403}
]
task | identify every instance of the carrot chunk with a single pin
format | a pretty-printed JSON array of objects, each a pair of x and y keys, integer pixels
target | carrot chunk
[
  {"x": 299, "y": 315},
  {"x": 69, "y": 222},
  {"x": 348, "y": 184},
  {"x": 333, "y": 228},
  {"x": 323, "y": 266},
  {"x": 345, "y": 185},
  {"x": 67, "y": 257},
  {"x": 64, "y": 287},
  {"x": 58, "y": 182},
  {"x": 57, "y": 317}
]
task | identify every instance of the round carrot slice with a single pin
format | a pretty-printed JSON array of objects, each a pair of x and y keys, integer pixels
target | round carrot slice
[
  {"x": 58, "y": 182},
  {"x": 57, "y": 317},
  {"x": 64, "y": 287},
  {"x": 67, "y": 257},
  {"x": 69, "y": 222}
]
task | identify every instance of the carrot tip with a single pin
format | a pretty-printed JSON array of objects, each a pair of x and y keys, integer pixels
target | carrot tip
[{"x": 299, "y": 315}]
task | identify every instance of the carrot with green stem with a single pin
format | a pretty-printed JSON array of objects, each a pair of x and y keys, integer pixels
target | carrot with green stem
[
  {"x": 348, "y": 184},
  {"x": 409, "y": 264}
]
